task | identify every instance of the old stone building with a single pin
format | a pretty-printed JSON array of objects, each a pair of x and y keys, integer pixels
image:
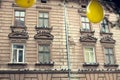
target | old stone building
[{"x": 55, "y": 41}]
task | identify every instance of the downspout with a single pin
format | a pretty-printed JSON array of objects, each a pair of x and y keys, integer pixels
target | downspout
[{"x": 67, "y": 42}]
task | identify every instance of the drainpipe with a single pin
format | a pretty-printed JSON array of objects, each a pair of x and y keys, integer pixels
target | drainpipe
[{"x": 67, "y": 42}]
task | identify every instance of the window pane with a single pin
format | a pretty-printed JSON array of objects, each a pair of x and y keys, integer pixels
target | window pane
[
  {"x": 83, "y": 25},
  {"x": 92, "y": 57},
  {"x": 45, "y": 15},
  {"x": 87, "y": 58},
  {"x": 41, "y": 24},
  {"x": 83, "y": 19},
  {"x": 110, "y": 51},
  {"x": 41, "y": 15},
  {"x": 112, "y": 59},
  {"x": 41, "y": 55},
  {"x": 15, "y": 55},
  {"x": 107, "y": 59},
  {"x": 87, "y": 20},
  {"x": 46, "y": 22},
  {"x": 87, "y": 26},
  {"x": 22, "y": 14},
  {"x": 17, "y": 13},
  {"x": 46, "y": 57},
  {"x": 20, "y": 55},
  {"x": 106, "y": 51},
  {"x": 47, "y": 48},
  {"x": 18, "y": 46}
]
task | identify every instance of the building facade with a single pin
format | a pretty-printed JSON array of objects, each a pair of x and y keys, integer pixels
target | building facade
[{"x": 55, "y": 41}]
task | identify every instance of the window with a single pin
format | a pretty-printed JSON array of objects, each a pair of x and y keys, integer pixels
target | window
[
  {"x": 19, "y": 18},
  {"x": 85, "y": 23},
  {"x": 18, "y": 53},
  {"x": 44, "y": 53},
  {"x": 43, "y": 1},
  {"x": 104, "y": 26},
  {"x": 109, "y": 56},
  {"x": 43, "y": 19},
  {"x": 89, "y": 55}
]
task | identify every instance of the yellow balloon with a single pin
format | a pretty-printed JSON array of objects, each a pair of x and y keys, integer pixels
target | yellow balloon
[
  {"x": 95, "y": 11},
  {"x": 25, "y": 3}
]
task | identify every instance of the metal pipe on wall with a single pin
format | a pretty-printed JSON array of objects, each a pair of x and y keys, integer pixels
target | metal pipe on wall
[{"x": 67, "y": 42}]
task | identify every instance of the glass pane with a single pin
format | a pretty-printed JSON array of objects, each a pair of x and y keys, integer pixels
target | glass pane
[
  {"x": 22, "y": 14},
  {"x": 47, "y": 48},
  {"x": 112, "y": 59},
  {"x": 46, "y": 22},
  {"x": 87, "y": 26},
  {"x": 106, "y": 29},
  {"x": 92, "y": 57},
  {"x": 20, "y": 56},
  {"x": 45, "y": 15},
  {"x": 107, "y": 59},
  {"x": 22, "y": 22},
  {"x": 16, "y": 21},
  {"x": 46, "y": 57},
  {"x": 87, "y": 57},
  {"x": 17, "y": 13},
  {"x": 41, "y": 24},
  {"x": 106, "y": 51},
  {"x": 41, "y": 15},
  {"x": 83, "y": 25},
  {"x": 41, "y": 48},
  {"x": 87, "y": 20},
  {"x": 110, "y": 51},
  {"x": 14, "y": 55},
  {"x": 18, "y": 46},
  {"x": 83, "y": 19},
  {"x": 41, "y": 55}
]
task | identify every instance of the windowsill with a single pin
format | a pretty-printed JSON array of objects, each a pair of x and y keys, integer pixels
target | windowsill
[
  {"x": 106, "y": 33},
  {"x": 42, "y": 27},
  {"x": 111, "y": 65},
  {"x": 16, "y": 26},
  {"x": 45, "y": 64},
  {"x": 90, "y": 64},
  {"x": 17, "y": 64},
  {"x": 87, "y": 31}
]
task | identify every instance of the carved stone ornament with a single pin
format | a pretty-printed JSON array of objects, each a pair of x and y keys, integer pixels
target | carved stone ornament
[
  {"x": 43, "y": 33},
  {"x": 88, "y": 38},
  {"x": 18, "y": 35},
  {"x": 44, "y": 36},
  {"x": 107, "y": 39}
]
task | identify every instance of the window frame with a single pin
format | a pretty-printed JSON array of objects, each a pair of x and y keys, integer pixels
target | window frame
[
  {"x": 23, "y": 60},
  {"x": 43, "y": 19},
  {"x": 104, "y": 23},
  {"x": 85, "y": 22},
  {"x": 94, "y": 54},
  {"x": 113, "y": 55},
  {"x": 39, "y": 60},
  {"x": 19, "y": 17}
]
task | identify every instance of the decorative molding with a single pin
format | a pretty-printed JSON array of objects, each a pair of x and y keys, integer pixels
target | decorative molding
[
  {"x": 17, "y": 64},
  {"x": 111, "y": 65},
  {"x": 91, "y": 64},
  {"x": 88, "y": 38},
  {"x": 43, "y": 33},
  {"x": 107, "y": 39},
  {"x": 44, "y": 36},
  {"x": 87, "y": 31},
  {"x": 43, "y": 7},
  {"x": 45, "y": 64},
  {"x": 18, "y": 33},
  {"x": 104, "y": 33}
]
